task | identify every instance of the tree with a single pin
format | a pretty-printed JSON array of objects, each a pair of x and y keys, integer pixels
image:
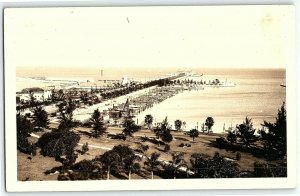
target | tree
[
  {"x": 209, "y": 122},
  {"x": 66, "y": 115},
  {"x": 152, "y": 162},
  {"x": 163, "y": 132},
  {"x": 24, "y": 128},
  {"x": 129, "y": 127},
  {"x": 110, "y": 161},
  {"x": 231, "y": 136},
  {"x": 97, "y": 123},
  {"x": 246, "y": 132},
  {"x": 127, "y": 159},
  {"x": 40, "y": 118},
  {"x": 177, "y": 162},
  {"x": 148, "y": 120},
  {"x": 193, "y": 133},
  {"x": 178, "y": 124},
  {"x": 122, "y": 158},
  {"x": 274, "y": 136},
  {"x": 166, "y": 136},
  {"x": 59, "y": 143}
]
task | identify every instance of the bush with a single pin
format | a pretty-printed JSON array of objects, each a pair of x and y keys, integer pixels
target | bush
[
  {"x": 86, "y": 169},
  {"x": 205, "y": 166},
  {"x": 263, "y": 169},
  {"x": 84, "y": 148},
  {"x": 181, "y": 145},
  {"x": 62, "y": 177},
  {"x": 167, "y": 148},
  {"x": 184, "y": 145},
  {"x": 221, "y": 142}
]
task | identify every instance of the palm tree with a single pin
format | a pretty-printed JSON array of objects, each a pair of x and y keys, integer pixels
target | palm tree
[
  {"x": 209, "y": 123},
  {"x": 177, "y": 162},
  {"x": 110, "y": 160},
  {"x": 152, "y": 162},
  {"x": 193, "y": 133},
  {"x": 127, "y": 159}
]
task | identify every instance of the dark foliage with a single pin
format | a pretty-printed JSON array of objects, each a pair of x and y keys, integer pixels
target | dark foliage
[
  {"x": 263, "y": 169},
  {"x": 184, "y": 145},
  {"x": 205, "y": 166},
  {"x": 232, "y": 137},
  {"x": 178, "y": 124},
  {"x": 84, "y": 148},
  {"x": 274, "y": 135},
  {"x": 66, "y": 116},
  {"x": 85, "y": 170},
  {"x": 97, "y": 123},
  {"x": 40, "y": 118},
  {"x": 167, "y": 148},
  {"x": 119, "y": 136},
  {"x": 193, "y": 133},
  {"x": 164, "y": 132},
  {"x": 209, "y": 122},
  {"x": 129, "y": 127},
  {"x": 62, "y": 177},
  {"x": 59, "y": 143},
  {"x": 222, "y": 143},
  {"x": 24, "y": 128},
  {"x": 148, "y": 120},
  {"x": 246, "y": 132},
  {"x": 120, "y": 158},
  {"x": 152, "y": 162}
]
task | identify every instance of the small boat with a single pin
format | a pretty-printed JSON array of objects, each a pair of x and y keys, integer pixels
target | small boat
[{"x": 283, "y": 85}]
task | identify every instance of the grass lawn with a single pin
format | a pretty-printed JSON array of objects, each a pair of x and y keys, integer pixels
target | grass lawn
[{"x": 33, "y": 167}]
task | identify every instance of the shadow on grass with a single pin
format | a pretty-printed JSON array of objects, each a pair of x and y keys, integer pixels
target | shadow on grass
[{"x": 119, "y": 176}]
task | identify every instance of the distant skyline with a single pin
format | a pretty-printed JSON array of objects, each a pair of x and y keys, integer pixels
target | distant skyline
[{"x": 162, "y": 37}]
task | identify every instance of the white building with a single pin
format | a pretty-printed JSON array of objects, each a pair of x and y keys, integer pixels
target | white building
[{"x": 40, "y": 96}]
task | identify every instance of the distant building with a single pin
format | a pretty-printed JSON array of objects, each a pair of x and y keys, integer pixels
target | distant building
[{"x": 38, "y": 94}]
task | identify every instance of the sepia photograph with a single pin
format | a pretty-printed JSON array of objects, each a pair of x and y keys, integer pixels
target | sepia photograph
[{"x": 149, "y": 96}]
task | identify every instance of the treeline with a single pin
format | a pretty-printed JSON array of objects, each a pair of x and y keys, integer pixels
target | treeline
[
  {"x": 61, "y": 143},
  {"x": 135, "y": 87},
  {"x": 270, "y": 142}
]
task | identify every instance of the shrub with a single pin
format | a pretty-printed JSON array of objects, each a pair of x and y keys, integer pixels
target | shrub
[
  {"x": 167, "y": 148},
  {"x": 221, "y": 142},
  {"x": 62, "y": 177},
  {"x": 263, "y": 169},
  {"x": 84, "y": 148},
  {"x": 205, "y": 166},
  {"x": 86, "y": 169}
]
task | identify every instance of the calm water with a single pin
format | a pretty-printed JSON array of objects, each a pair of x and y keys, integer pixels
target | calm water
[{"x": 258, "y": 95}]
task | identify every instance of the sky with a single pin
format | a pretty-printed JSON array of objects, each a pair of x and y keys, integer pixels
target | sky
[{"x": 129, "y": 37}]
